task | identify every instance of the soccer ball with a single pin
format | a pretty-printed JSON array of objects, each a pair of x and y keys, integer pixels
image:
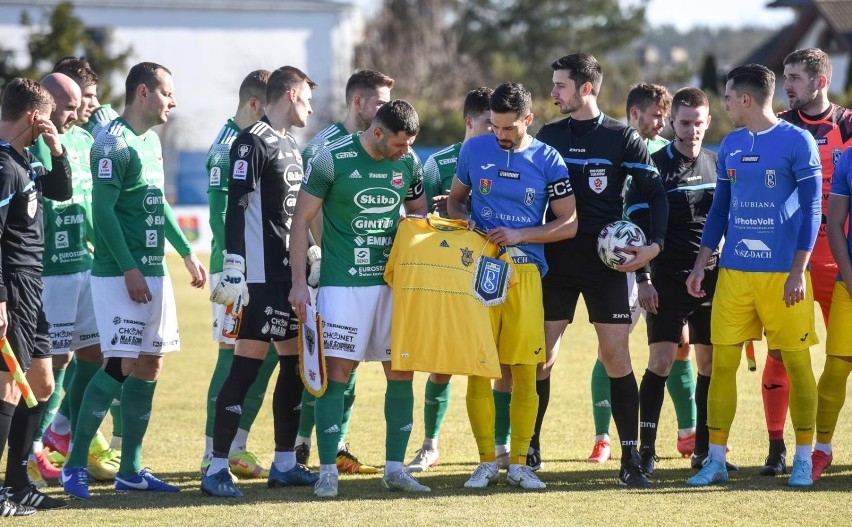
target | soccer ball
[{"x": 614, "y": 238}]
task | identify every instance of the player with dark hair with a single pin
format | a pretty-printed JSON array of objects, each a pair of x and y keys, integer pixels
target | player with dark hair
[
  {"x": 366, "y": 92},
  {"x": 25, "y": 113},
  {"x": 93, "y": 115},
  {"x": 648, "y": 106},
  {"x": 600, "y": 153},
  {"x": 132, "y": 222},
  {"x": 514, "y": 178},
  {"x": 359, "y": 182},
  {"x": 438, "y": 173},
  {"x": 266, "y": 173},
  {"x": 767, "y": 206}
]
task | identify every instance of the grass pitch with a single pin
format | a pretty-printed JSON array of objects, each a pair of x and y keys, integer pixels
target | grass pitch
[{"x": 578, "y": 493}]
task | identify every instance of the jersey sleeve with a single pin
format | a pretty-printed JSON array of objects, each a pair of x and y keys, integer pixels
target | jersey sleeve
[
  {"x": 558, "y": 183},
  {"x": 431, "y": 179},
  {"x": 110, "y": 160},
  {"x": 717, "y": 218},
  {"x": 648, "y": 184},
  {"x": 8, "y": 189},
  {"x": 218, "y": 167},
  {"x": 319, "y": 176},
  {"x": 807, "y": 169},
  {"x": 247, "y": 161},
  {"x": 311, "y": 150},
  {"x": 415, "y": 190},
  {"x": 840, "y": 178},
  {"x": 463, "y": 165}
]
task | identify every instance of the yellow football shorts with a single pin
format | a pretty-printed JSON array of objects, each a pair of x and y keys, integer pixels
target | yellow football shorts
[
  {"x": 518, "y": 323},
  {"x": 839, "y": 339}
]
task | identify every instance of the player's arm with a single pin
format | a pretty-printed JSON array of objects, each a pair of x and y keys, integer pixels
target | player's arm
[
  {"x": 176, "y": 237},
  {"x": 56, "y": 181},
  {"x": 415, "y": 199},
  {"x": 649, "y": 186},
  {"x": 457, "y": 200},
  {"x": 837, "y": 215}
]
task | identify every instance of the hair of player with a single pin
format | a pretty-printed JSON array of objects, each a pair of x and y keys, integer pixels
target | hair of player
[
  {"x": 815, "y": 61},
  {"x": 754, "y": 79},
  {"x": 254, "y": 85},
  {"x": 142, "y": 73},
  {"x": 283, "y": 80},
  {"x": 477, "y": 102},
  {"x": 363, "y": 80},
  {"x": 582, "y": 68},
  {"x": 79, "y": 69},
  {"x": 24, "y": 95},
  {"x": 512, "y": 97},
  {"x": 398, "y": 116},
  {"x": 644, "y": 94},
  {"x": 690, "y": 98}
]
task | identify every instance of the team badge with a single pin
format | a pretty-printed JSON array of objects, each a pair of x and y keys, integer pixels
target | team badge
[
  {"x": 485, "y": 186},
  {"x": 529, "y": 196},
  {"x": 835, "y": 155},
  {"x": 598, "y": 184},
  {"x": 491, "y": 280},
  {"x": 396, "y": 180},
  {"x": 32, "y": 205},
  {"x": 240, "y": 169},
  {"x": 769, "y": 180},
  {"x": 466, "y": 257},
  {"x": 243, "y": 150},
  {"x": 215, "y": 177},
  {"x": 732, "y": 175}
]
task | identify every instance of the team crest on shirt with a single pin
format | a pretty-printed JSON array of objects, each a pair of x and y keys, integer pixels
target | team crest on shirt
[
  {"x": 835, "y": 155},
  {"x": 32, "y": 205},
  {"x": 598, "y": 183},
  {"x": 244, "y": 150},
  {"x": 466, "y": 257},
  {"x": 240, "y": 169},
  {"x": 732, "y": 175},
  {"x": 529, "y": 197},
  {"x": 769, "y": 180},
  {"x": 396, "y": 180},
  {"x": 485, "y": 186}
]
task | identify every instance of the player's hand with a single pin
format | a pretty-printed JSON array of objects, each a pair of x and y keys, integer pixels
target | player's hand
[
  {"x": 314, "y": 262},
  {"x": 648, "y": 299},
  {"x": 137, "y": 287},
  {"x": 505, "y": 236},
  {"x": 50, "y": 135},
  {"x": 232, "y": 285},
  {"x": 693, "y": 282},
  {"x": 642, "y": 255},
  {"x": 299, "y": 296},
  {"x": 4, "y": 323},
  {"x": 794, "y": 288},
  {"x": 439, "y": 204},
  {"x": 196, "y": 271}
]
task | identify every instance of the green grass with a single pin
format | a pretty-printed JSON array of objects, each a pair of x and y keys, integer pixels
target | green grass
[{"x": 578, "y": 493}]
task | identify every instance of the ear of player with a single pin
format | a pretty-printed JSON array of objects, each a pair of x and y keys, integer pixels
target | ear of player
[{"x": 232, "y": 286}]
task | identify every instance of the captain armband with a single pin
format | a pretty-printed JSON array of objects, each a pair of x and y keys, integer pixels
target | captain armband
[{"x": 559, "y": 189}]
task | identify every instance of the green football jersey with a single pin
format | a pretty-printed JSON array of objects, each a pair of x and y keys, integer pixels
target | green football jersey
[
  {"x": 438, "y": 172},
  {"x": 68, "y": 223},
  {"x": 331, "y": 133},
  {"x": 134, "y": 164},
  {"x": 656, "y": 143},
  {"x": 99, "y": 119},
  {"x": 361, "y": 205},
  {"x": 218, "y": 174}
]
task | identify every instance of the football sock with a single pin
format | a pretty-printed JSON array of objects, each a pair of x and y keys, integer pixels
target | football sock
[
  {"x": 257, "y": 390},
  {"x": 284, "y": 461},
  {"x": 348, "y": 402},
  {"x": 285, "y": 404},
  {"x": 625, "y": 412},
  {"x": 651, "y": 395},
  {"x": 70, "y": 370},
  {"x": 25, "y": 424},
  {"x": 601, "y": 406},
  {"x": 823, "y": 447},
  {"x": 542, "y": 388},
  {"x": 60, "y": 424},
  {"x": 100, "y": 392},
  {"x": 137, "y": 398},
  {"x": 435, "y": 407},
  {"x": 83, "y": 374},
  {"x": 307, "y": 417},
  {"x": 229, "y": 402},
  {"x": 681, "y": 387},
  {"x": 53, "y": 403},
  {"x": 392, "y": 466},
  {"x": 803, "y": 394},
  {"x": 702, "y": 438},
  {"x": 718, "y": 452},
  {"x": 502, "y": 421},
  {"x": 7, "y": 411},
  {"x": 115, "y": 412},
  {"x": 776, "y": 392},
  {"x": 722, "y": 395},
  {"x": 522, "y": 411},
  {"x": 480, "y": 401},
  {"x": 220, "y": 373},
  {"x": 832, "y": 396},
  {"x": 240, "y": 442},
  {"x": 329, "y": 414},
  {"x": 399, "y": 417}
]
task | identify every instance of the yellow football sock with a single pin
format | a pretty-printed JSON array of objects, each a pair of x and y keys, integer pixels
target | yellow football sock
[
  {"x": 832, "y": 395},
  {"x": 803, "y": 394},
  {"x": 480, "y": 411},
  {"x": 722, "y": 397},
  {"x": 522, "y": 411}
]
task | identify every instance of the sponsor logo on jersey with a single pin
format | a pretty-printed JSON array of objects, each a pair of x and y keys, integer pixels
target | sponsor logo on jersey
[
  {"x": 485, "y": 186},
  {"x": 396, "y": 180},
  {"x": 355, "y": 175},
  {"x": 359, "y": 240},
  {"x": 821, "y": 140},
  {"x": 151, "y": 238},
  {"x": 735, "y": 152},
  {"x": 153, "y": 200},
  {"x": 373, "y": 175},
  {"x": 362, "y": 256},
  {"x": 105, "y": 168},
  {"x": 769, "y": 179},
  {"x": 293, "y": 174},
  {"x": 215, "y": 177},
  {"x": 752, "y": 249},
  {"x": 736, "y": 203},
  {"x": 448, "y": 161},
  {"x": 444, "y": 244},
  {"x": 529, "y": 196},
  {"x": 345, "y": 155},
  {"x": 466, "y": 257},
  {"x": 244, "y": 150},
  {"x": 509, "y": 174},
  {"x": 377, "y": 200},
  {"x": 750, "y": 159},
  {"x": 486, "y": 167},
  {"x": 597, "y": 183},
  {"x": 362, "y": 225},
  {"x": 241, "y": 169},
  {"x": 835, "y": 155},
  {"x": 486, "y": 213},
  {"x": 61, "y": 240}
]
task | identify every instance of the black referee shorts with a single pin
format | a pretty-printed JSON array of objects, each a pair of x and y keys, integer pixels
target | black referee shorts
[
  {"x": 28, "y": 332},
  {"x": 268, "y": 315},
  {"x": 677, "y": 307},
  {"x": 574, "y": 268}
]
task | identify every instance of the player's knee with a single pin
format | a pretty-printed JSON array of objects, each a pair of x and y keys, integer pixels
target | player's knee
[
  {"x": 438, "y": 378},
  {"x": 113, "y": 368}
]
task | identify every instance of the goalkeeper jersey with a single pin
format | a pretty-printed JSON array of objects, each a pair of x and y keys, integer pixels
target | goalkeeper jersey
[
  {"x": 99, "y": 119},
  {"x": 218, "y": 168},
  {"x": 438, "y": 324}
]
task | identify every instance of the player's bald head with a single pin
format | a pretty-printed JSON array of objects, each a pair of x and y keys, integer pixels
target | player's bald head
[{"x": 61, "y": 86}]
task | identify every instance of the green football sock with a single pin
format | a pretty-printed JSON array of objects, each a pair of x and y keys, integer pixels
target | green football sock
[
  {"x": 329, "y": 414},
  {"x": 137, "y": 397},
  {"x": 601, "y": 409},
  {"x": 65, "y": 405},
  {"x": 681, "y": 387},
  {"x": 115, "y": 412},
  {"x": 220, "y": 373},
  {"x": 502, "y": 424},
  {"x": 436, "y": 404},
  {"x": 83, "y": 373},
  {"x": 399, "y": 415},
  {"x": 348, "y": 402},
  {"x": 254, "y": 396},
  {"x": 306, "y": 417},
  {"x": 52, "y": 403},
  {"x": 96, "y": 400}
]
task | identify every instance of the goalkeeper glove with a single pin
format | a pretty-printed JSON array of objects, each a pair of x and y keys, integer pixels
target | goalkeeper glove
[
  {"x": 314, "y": 261},
  {"x": 232, "y": 286}
]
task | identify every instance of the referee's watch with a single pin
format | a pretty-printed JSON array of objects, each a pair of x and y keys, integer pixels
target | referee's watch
[{"x": 643, "y": 276}]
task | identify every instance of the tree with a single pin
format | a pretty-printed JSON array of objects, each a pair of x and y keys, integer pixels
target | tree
[
  {"x": 710, "y": 75},
  {"x": 62, "y": 34}
]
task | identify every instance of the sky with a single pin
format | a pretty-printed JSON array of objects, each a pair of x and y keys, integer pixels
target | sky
[{"x": 688, "y": 13}]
